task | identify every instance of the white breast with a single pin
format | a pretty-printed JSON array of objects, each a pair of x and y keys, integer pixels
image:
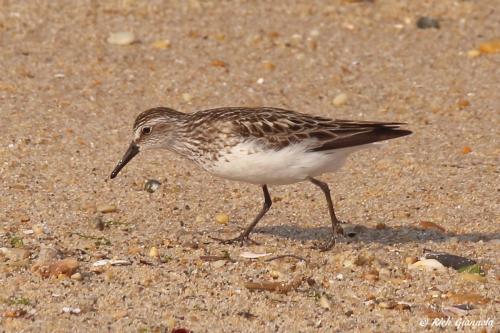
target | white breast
[{"x": 249, "y": 162}]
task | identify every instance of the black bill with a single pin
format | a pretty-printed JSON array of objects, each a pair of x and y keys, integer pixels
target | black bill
[{"x": 132, "y": 150}]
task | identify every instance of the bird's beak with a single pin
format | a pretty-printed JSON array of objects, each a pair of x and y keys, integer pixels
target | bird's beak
[{"x": 132, "y": 150}]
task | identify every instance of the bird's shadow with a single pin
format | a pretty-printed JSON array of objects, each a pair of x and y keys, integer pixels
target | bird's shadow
[{"x": 362, "y": 234}]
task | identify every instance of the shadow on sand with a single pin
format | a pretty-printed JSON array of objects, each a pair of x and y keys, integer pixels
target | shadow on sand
[{"x": 388, "y": 235}]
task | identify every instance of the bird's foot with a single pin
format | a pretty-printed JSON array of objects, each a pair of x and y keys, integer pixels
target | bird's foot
[
  {"x": 241, "y": 239},
  {"x": 330, "y": 243}
]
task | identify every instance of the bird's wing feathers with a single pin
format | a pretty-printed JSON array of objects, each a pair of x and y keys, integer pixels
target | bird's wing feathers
[{"x": 278, "y": 128}]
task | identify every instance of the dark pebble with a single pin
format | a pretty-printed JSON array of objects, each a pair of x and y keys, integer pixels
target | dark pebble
[{"x": 426, "y": 22}]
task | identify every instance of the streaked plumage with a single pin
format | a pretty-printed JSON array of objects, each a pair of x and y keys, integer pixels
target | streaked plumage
[{"x": 258, "y": 145}]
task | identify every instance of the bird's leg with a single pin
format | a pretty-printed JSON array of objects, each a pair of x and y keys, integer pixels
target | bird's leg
[
  {"x": 336, "y": 228},
  {"x": 245, "y": 235}
]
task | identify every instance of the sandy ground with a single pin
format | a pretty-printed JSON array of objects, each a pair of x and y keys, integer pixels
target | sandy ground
[{"x": 68, "y": 98}]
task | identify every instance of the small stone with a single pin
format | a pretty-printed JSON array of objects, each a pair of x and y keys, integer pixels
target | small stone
[
  {"x": 426, "y": 22},
  {"x": 275, "y": 274},
  {"x": 268, "y": 65},
  {"x": 411, "y": 260},
  {"x": 340, "y": 99},
  {"x": 463, "y": 103},
  {"x": 14, "y": 254},
  {"x": 77, "y": 277},
  {"x": 38, "y": 229},
  {"x": 387, "y": 305},
  {"x": 112, "y": 262},
  {"x": 222, "y": 218},
  {"x": 492, "y": 46},
  {"x": 473, "y": 53},
  {"x": 428, "y": 265},
  {"x": 107, "y": 208},
  {"x": 187, "y": 97},
  {"x": 380, "y": 226},
  {"x": 121, "y": 38},
  {"x": 314, "y": 33},
  {"x": 466, "y": 150},
  {"x": 154, "y": 253},
  {"x": 426, "y": 225},
  {"x": 324, "y": 303},
  {"x": 252, "y": 255},
  {"x": 151, "y": 185},
  {"x": 339, "y": 276},
  {"x": 71, "y": 310},
  {"x": 260, "y": 81},
  {"x": 66, "y": 267},
  {"x": 161, "y": 44},
  {"x": 99, "y": 223},
  {"x": 218, "y": 63}
]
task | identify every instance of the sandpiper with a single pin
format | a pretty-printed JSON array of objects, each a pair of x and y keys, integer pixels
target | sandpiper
[{"x": 263, "y": 146}]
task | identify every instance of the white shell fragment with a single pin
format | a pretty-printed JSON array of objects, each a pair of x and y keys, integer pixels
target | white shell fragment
[
  {"x": 68, "y": 309},
  {"x": 428, "y": 265},
  {"x": 121, "y": 38},
  {"x": 112, "y": 262},
  {"x": 251, "y": 255}
]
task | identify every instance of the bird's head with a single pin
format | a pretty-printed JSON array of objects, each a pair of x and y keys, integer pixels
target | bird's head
[{"x": 153, "y": 128}]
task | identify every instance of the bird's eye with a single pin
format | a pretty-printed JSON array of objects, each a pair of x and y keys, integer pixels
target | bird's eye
[{"x": 146, "y": 130}]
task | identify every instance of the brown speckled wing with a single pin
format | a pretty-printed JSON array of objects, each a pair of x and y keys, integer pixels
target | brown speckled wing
[{"x": 278, "y": 128}]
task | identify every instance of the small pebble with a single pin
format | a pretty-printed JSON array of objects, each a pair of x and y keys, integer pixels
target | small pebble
[
  {"x": 107, "y": 208},
  {"x": 268, "y": 65},
  {"x": 324, "y": 303},
  {"x": 151, "y": 185},
  {"x": 77, "y": 277},
  {"x": 161, "y": 44},
  {"x": 99, "y": 223},
  {"x": 154, "y": 253},
  {"x": 121, "y": 38},
  {"x": 473, "y": 53},
  {"x": 340, "y": 99},
  {"x": 426, "y": 225},
  {"x": 38, "y": 229},
  {"x": 492, "y": 46},
  {"x": 71, "y": 310},
  {"x": 222, "y": 218},
  {"x": 387, "y": 305},
  {"x": 66, "y": 267},
  {"x": 411, "y": 260},
  {"x": 218, "y": 63},
  {"x": 187, "y": 97},
  {"x": 260, "y": 81},
  {"x": 426, "y": 22}
]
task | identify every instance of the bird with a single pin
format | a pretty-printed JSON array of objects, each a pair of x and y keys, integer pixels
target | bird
[{"x": 259, "y": 145}]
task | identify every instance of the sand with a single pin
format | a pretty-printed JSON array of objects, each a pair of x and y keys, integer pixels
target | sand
[{"x": 68, "y": 98}]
